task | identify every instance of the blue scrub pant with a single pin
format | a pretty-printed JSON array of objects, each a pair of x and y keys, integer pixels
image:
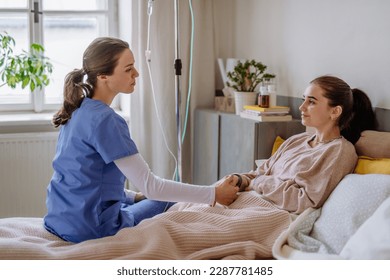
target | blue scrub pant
[{"x": 147, "y": 208}]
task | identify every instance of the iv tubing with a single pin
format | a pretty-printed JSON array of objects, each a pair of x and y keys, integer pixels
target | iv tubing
[
  {"x": 190, "y": 71},
  {"x": 176, "y": 176}
]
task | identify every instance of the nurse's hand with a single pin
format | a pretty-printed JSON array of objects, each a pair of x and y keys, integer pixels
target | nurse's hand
[
  {"x": 139, "y": 196},
  {"x": 226, "y": 190}
]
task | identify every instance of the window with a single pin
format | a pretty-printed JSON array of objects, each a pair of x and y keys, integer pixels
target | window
[{"x": 64, "y": 28}]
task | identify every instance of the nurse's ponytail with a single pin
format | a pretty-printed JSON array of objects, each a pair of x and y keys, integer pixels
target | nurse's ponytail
[
  {"x": 100, "y": 58},
  {"x": 74, "y": 92}
]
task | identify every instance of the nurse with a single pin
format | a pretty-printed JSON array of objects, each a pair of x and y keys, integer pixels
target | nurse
[{"x": 86, "y": 198}]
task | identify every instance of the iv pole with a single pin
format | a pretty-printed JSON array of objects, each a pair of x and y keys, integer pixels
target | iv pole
[{"x": 178, "y": 67}]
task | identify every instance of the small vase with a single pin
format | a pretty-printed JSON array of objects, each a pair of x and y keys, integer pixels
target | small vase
[{"x": 242, "y": 98}]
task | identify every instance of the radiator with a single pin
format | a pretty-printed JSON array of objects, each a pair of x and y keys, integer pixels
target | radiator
[{"x": 25, "y": 171}]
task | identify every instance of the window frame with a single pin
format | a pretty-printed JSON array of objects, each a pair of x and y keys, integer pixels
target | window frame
[{"x": 35, "y": 35}]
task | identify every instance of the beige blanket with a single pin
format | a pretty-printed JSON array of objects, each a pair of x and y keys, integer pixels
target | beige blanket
[{"x": 246, "y": 229}]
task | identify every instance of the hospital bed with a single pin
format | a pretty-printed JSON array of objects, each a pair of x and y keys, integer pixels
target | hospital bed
[{"x": 354, "y": 223}]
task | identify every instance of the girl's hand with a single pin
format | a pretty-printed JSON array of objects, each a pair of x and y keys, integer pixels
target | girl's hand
[{"x": 243, "y": 182}]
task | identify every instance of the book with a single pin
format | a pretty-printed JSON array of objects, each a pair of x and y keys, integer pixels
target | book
[
  {"x": 269, "y": 109},
  {"x": 258, "y": 113},
  {"x": 266, "y": 118}
]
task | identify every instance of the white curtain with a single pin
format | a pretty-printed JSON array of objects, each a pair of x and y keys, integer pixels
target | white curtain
[{"x": 144, "y": 125}]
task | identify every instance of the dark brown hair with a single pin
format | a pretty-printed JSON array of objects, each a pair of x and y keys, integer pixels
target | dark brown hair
[
  {"x": 100, "y": 58},
  {"x": 357, "y": 112}
]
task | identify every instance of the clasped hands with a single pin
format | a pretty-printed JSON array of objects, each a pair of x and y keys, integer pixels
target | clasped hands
[{"x": 227, "y": 188}]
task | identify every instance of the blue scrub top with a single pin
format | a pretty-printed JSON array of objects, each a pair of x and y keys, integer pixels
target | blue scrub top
[{"x": 85, "y": 197}]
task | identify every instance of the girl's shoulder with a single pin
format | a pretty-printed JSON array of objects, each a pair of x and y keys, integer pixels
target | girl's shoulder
[
  {"x": 341, "y": 148},
  {"x": 347, "y": 145}
]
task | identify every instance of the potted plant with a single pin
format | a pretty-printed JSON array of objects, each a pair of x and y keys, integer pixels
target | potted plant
[
  {"x": 26, "y": 69},
  {"x": 245, "y": 79}
]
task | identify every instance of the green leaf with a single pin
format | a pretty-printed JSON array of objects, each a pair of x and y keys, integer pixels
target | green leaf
[
  {"x": 27, "y": 68},
  {"x": 36, "y": 47},
  {"x": 247, "y": 75},
  {"x": 32, "y": 85},
  {"x": 11, "y": 82},
  {"x": 26, "y": 80}
]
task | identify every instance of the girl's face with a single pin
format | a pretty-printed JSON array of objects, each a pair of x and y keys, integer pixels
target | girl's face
[
  {"x": 315, "y": 110},
  {"x": 124, "y": 75}
]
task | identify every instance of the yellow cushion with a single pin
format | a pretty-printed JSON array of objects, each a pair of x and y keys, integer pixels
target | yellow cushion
[
  {"x": 368, "y": 165},
  {"x": 278, "y": 141}
]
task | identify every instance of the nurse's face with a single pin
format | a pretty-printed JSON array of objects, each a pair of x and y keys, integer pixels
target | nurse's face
[{"x": 124, "y": 75}]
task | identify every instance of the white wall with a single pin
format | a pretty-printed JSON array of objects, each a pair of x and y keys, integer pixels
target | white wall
[{"x": 302, "y": 39}]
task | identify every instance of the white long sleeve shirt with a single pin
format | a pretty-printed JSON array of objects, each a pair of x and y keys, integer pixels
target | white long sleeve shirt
[{"x": 153, "y": 187}]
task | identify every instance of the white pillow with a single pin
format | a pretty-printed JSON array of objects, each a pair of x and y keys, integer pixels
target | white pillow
[
  {"x": 353, "y": 201},
  {"x": 372, "y": 239}
]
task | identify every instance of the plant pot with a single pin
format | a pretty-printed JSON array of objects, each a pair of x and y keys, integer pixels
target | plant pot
[{"x": 242, "y": 98}]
